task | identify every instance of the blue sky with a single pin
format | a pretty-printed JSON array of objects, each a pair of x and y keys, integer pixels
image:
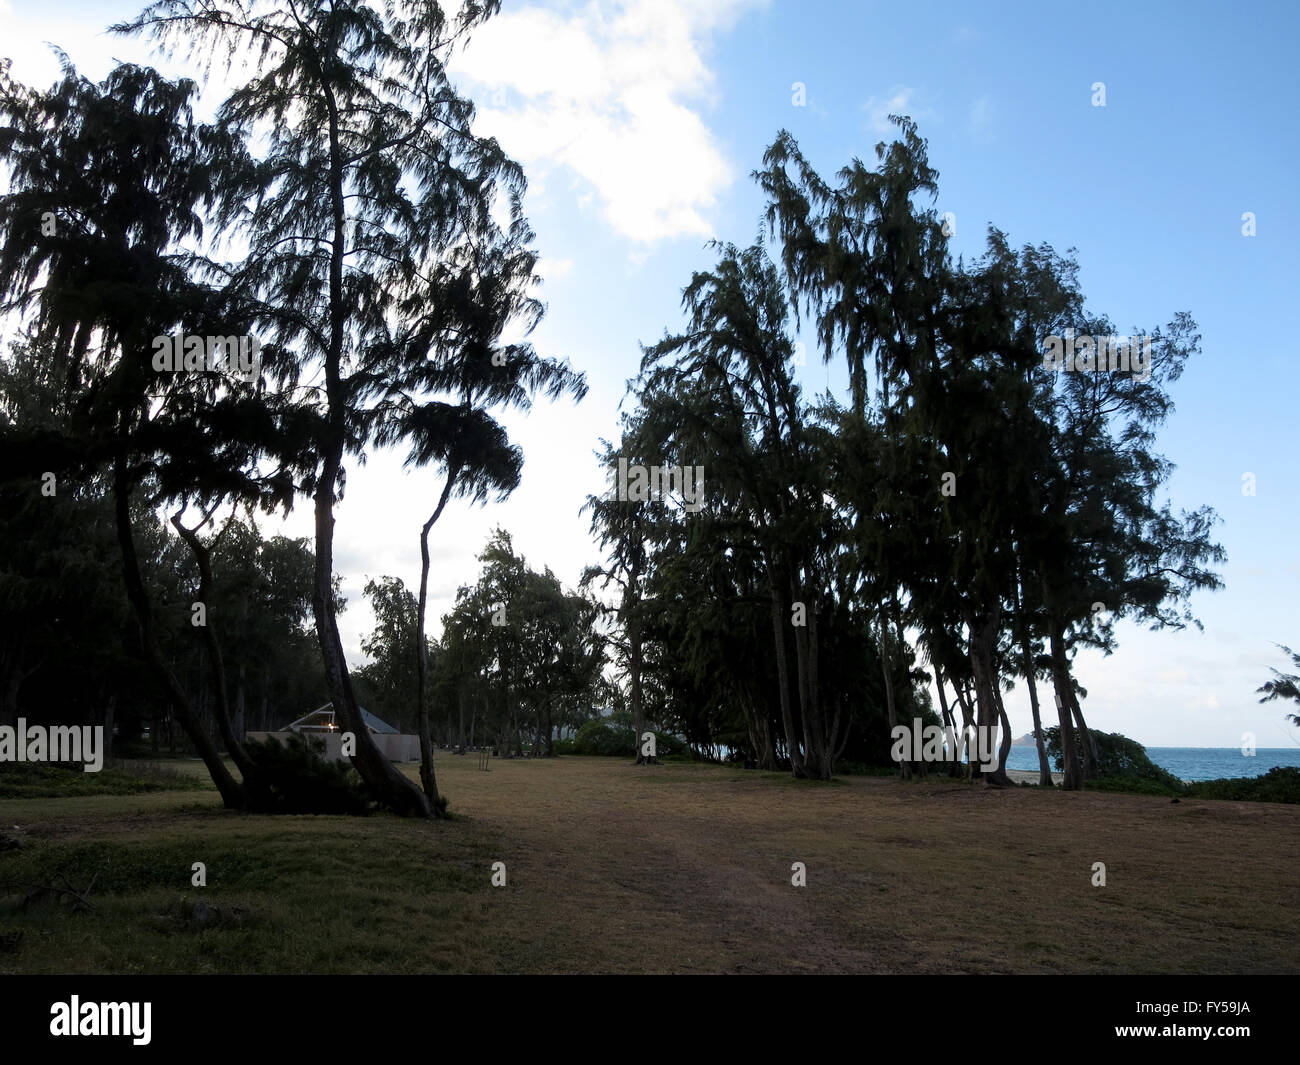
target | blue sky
[{"x": 639, "y": 123}]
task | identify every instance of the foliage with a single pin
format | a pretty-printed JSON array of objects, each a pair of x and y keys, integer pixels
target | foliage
[
  {"x": 616, "y": 740},
  {"x": 1284, "y": 685},
  {"x": 300, "y": 781},
  {"x": 1119, "y": 759},
  {"x": 1280, "y": 784}
]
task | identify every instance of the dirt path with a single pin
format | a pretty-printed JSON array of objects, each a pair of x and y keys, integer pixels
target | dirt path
[{"x": 688, "y": 869}]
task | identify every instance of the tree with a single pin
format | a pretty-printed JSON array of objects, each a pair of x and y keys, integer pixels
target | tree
[
  {"x": 623, "y": 532},
  {"x": 480, "y": 293},
  {"x": 729, "y": 396},
  {"x": 372, "y": 176},
  {"x": 1283, "y": 685},
  {"x": 126, "y": 173},
  {"x": 392, "y": 649}
]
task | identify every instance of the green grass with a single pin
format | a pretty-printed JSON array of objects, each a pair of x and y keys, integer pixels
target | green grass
[
  {"x": 671, "y": 868},
  {"x": 294, "y": 894},
  {"x": 41, "y": 780}
]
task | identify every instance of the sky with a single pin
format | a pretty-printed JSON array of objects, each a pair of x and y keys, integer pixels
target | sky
[{"x": 639, "y": 123}]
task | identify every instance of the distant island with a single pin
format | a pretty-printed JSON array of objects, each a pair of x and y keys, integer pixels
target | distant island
[{"x": 1027, "y": 740}]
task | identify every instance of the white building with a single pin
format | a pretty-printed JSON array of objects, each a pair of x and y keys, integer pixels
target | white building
[{"x": 321, "y": 725}]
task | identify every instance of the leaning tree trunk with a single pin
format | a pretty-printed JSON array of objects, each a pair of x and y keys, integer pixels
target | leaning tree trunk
[
  {"x": 1064, "y": 692},
  {"x": 428, "y": 779},
  {"x": 1004, "y": 748},
  {"x": 1091, "y": 757},
  {"x": 950, "y": 723},
  {"x": 232, "y": 793},
  {"x": 258, "y": 793}
]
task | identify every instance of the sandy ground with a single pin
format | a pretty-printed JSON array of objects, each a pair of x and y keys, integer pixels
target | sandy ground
[{"x": 1028, "y": 776}]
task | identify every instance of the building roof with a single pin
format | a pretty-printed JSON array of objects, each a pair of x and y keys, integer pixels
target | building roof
[{"x": 323, "y": 718}]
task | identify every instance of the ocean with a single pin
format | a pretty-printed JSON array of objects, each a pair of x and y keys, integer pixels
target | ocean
[{"x": 1191, "y": 763}]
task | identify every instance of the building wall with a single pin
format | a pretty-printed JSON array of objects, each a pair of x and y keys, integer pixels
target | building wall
[{"x": 397, "y": 746}]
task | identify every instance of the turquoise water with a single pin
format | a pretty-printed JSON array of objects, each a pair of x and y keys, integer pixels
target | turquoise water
[{"x": 1192, "y": 763}]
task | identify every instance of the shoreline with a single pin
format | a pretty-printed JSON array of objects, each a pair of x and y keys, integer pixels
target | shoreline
[{"x": 1030, "y": 776}]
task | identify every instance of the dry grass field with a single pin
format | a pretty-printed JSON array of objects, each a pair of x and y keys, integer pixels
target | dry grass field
[{"x": 675, "y": 868}]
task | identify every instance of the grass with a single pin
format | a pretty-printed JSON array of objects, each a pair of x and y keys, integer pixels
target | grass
[
  {"x": 34, "y": 780},
  {"x": 670, "y": 868}
]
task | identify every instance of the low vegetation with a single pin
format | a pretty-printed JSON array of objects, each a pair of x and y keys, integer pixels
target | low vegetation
[{"x": 673, "y": 868}]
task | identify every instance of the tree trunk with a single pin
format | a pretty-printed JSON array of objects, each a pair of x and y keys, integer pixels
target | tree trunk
[
  {"x": 887, "y": 672},
  {"x": 783, "y": 682},
  {"x": 428, "y": 779},
  {"x": 815, "y": 746},
  {"x": 1064, "y": 693},
  {"x": 232, "y": 794},
  {"x": 949, "y": 723},
  {"x": 258, "y": 794},
  {"x": 238, "y": 722},
  {"x": 385, "y": 782},
  {"x": 1004, "y": 748},
  {"x": 636, "y": 694},
  {"x": 1091, "y": 757},
  {"x": 110, "y": 712},
  {"x": 967, "y": 719},
  {"x": 982, "y": 658},
  {"x": 1044, "y": 767}
]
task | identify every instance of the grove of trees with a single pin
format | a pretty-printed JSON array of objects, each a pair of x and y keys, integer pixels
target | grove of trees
[{"x": 968, "y": 516}]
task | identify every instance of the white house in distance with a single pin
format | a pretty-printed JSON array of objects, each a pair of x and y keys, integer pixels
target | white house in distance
[{"x": 320, "y": 725}]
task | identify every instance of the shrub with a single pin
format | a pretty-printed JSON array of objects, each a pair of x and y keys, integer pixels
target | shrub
[
  {"x": 298, "y": 780},
  {"x": 1281, "y": 784},
  {"x": 603, "y": 738},
  {"x": 1120, "y": 761},
  {"x": 598, "y": 737}
]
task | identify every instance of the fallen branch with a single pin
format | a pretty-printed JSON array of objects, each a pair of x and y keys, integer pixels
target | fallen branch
[{"x": 52, "y": 888}]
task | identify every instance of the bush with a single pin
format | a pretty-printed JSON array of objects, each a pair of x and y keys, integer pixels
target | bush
[
  {"x": 1281, "y": 784},
  {"x": 1126, "y": 767},
  {"x": 1121, "y": 761},
  {"x": 598, "y": 737},
  {"x": 602, "y": 738},
  {"x": 296, "y": 779}
]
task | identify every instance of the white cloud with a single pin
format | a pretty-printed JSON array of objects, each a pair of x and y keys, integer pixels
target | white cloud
[
  {"x": 611, "y": 93},
  {"x": 900, "y": 101},
  {"x": 555, "y": 269},
  {"x": 26, "y": 37}
]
